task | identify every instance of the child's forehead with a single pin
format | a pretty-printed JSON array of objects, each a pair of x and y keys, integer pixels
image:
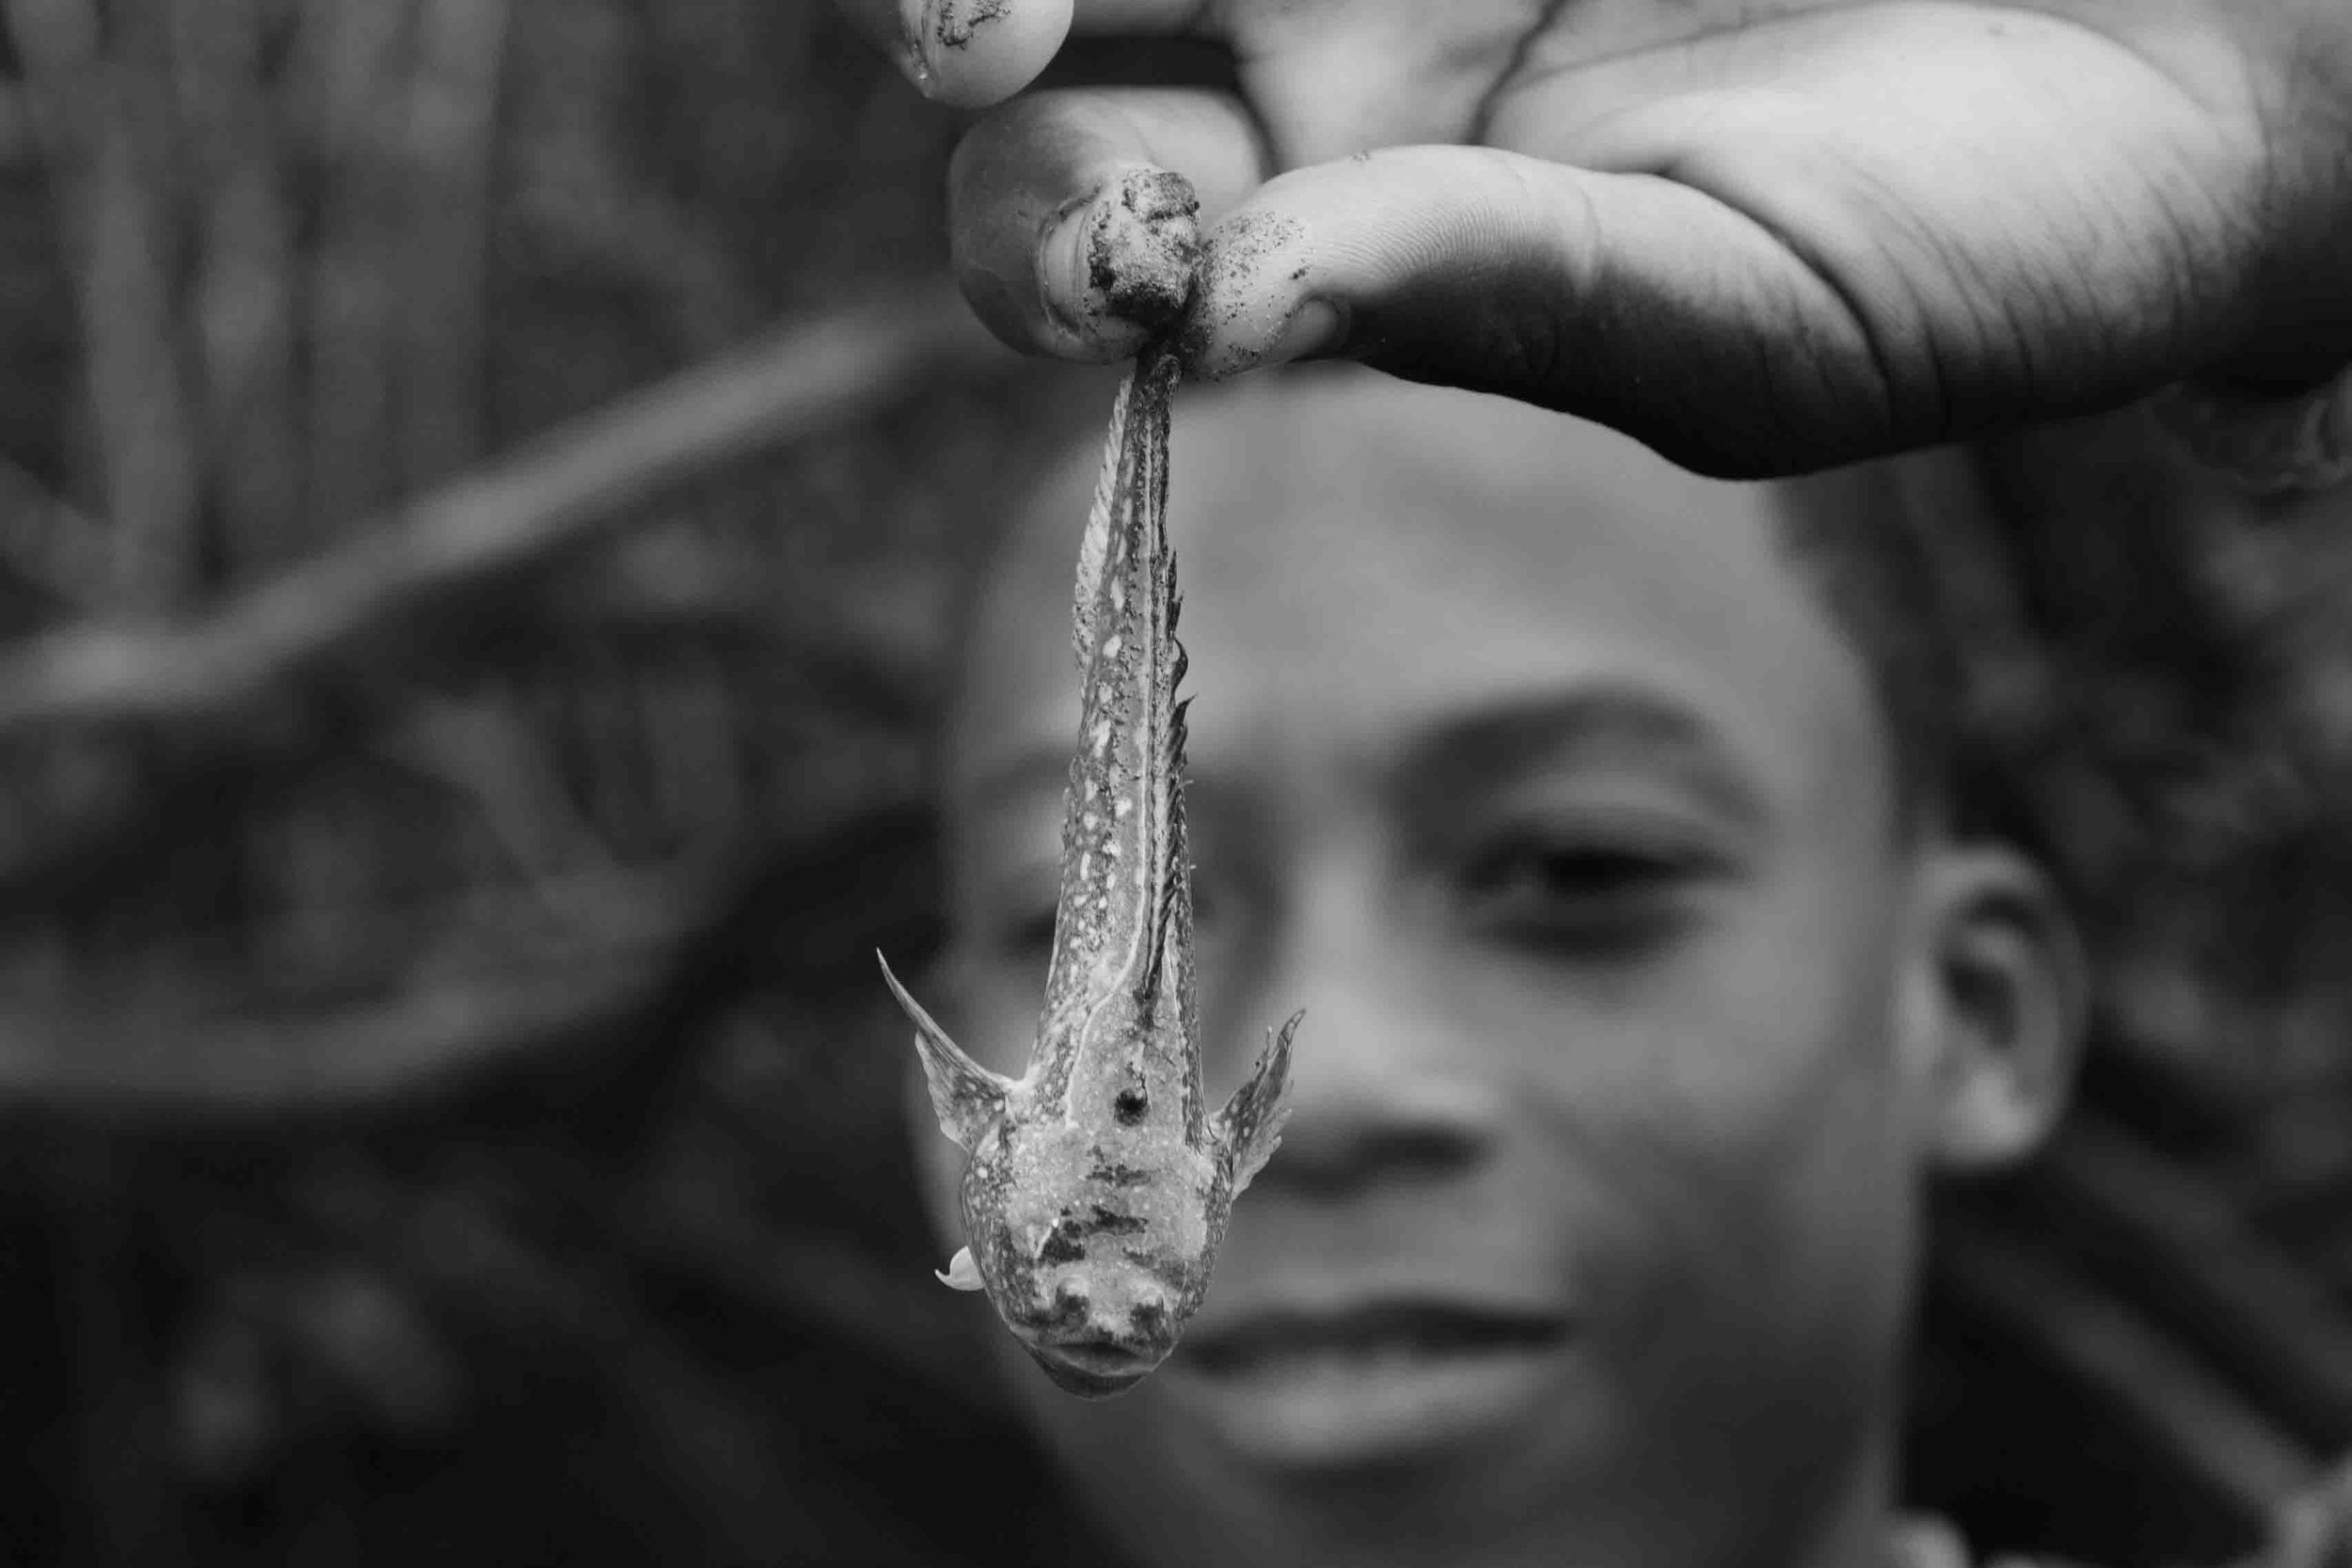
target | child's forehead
[
  {"x": 1366, "y": 564},
  {"x": 1332, "y": 485}
]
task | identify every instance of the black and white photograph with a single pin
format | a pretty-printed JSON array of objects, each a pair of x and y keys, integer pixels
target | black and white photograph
[{"x": 1176, "y": 784}]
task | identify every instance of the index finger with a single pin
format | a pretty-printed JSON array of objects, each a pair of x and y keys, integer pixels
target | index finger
[{"x": 970, "y": 54}]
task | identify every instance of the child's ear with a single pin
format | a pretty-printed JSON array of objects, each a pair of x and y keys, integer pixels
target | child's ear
[{"x": 2002, "y": 1008}]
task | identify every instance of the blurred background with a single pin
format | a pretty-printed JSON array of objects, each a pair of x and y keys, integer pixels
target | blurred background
[{"x": 480, "y": 487}]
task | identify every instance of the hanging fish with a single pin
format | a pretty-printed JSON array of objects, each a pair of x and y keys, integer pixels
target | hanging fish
[{"x": 1099, "y": 1185}]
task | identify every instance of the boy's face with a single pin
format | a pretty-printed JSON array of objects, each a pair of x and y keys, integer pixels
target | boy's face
[{"x": 1531, "y": 769}]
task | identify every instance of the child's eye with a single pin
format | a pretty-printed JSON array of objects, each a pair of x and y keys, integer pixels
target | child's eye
[{"x": 1551, "y": 886}]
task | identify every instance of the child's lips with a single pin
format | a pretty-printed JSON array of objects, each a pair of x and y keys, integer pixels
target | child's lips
[{"x": 1377, "y": 1382}]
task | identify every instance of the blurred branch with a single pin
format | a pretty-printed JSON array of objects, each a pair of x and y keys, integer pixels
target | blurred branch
[
  {"x": 444, "y": 279},
  {"x": 320, "y": 646},
  {"x": 594, "y": 1040},
  {"x": 715, "y": 1446},
  {"x": 240, "y": 303},
  {"x": 451, "y": 554},
  {"x": 351, "y": 68},
  {"x": 827, "y": 1285},
  {"x": 2194, "y": 1260},
  {"x": 128, "y": 1066},
  {"x": 50, "y": 546},
  {"x": 2105, "y": 1347},
  {"x": 95, "y": 121}
]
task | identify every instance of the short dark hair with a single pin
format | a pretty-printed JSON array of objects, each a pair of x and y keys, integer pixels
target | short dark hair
[
  {"x": 2083, "y": 646},
  {"x": 1851, "y": 533}
]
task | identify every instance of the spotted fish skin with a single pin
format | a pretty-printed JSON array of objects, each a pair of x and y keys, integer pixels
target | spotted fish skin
[{"x": 1099, "y": 1185}]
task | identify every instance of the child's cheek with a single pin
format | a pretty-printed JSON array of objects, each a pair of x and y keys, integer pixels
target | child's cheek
[{"x": 938, "y": 1163}]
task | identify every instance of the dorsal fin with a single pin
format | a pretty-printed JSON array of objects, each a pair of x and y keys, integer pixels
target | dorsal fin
[
  {"x": 1179, "y": 851},
  {"x": 1094, "y": 545},
  {"x": 1160, "y": 613}
]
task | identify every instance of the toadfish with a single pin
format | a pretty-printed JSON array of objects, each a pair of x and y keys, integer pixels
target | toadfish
[{"x": 1099, "y": 1185}]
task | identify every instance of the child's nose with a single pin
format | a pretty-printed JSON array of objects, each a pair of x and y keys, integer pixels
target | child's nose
[
  {"x": 1350, "y": 1128},
  {"x": 1378, "y": 1091}
]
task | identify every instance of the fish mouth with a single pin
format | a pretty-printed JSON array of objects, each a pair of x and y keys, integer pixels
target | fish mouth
[
  {"x": 1093, "y": 1366},
  {"x": 1427, "y": 1328}
]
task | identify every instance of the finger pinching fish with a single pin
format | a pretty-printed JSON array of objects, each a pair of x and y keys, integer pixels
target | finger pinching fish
[{"x": 1098, "y": 1184}]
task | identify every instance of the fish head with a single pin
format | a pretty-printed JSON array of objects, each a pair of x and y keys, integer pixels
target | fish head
[{"x": 1094, "y": 1256}]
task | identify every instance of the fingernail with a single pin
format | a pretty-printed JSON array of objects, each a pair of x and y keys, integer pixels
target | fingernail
[
  {"x": 1120, "y": 264},
  {"x": 1312, "y": 327},
  {"x": 971, "y": 53},
  {"x": 1075, "y": 304},
  {"x": 1061, "y": 264},
  {"x": 915, "y": 35},
  {"x": 1316, "y": 327}
]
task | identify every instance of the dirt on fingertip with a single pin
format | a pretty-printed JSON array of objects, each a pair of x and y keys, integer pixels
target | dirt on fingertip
[
  {"x": 958, "y": 20},
  {"x": 1237, "y": 252},
  {"x": 1142, "y": 249}
]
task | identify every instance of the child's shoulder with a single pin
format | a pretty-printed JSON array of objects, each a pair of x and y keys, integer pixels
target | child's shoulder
[{"x": 2313, "y": 1531}]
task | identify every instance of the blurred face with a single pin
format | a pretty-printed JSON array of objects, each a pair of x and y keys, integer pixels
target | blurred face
[{"x": 1531, "y": 769}]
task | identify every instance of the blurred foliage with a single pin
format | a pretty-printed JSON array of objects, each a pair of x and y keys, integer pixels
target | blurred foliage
[
  {"x": 449, "y": 1112},
  {"x": 452, "y": 1091}
]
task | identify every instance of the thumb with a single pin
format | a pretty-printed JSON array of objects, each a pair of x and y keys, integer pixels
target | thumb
[
  {"x": 1629, "y": 299},
  {"x": 965, "y": 54}
]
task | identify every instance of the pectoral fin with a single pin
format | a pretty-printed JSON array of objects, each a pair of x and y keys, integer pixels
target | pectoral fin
[
  {"x": 967, "y": 1097},
  {"x": 963, "y": 1273},
  {"x": 1250, "y": 1126}
]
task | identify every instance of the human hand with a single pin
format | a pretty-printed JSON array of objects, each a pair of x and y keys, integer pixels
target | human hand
[{"x": 1763, "y": 238}]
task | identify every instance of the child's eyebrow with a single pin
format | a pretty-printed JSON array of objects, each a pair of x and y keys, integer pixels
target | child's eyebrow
[
  {"x": 1465, "y": 754},
  {"x": 1468, "y": 753}
]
